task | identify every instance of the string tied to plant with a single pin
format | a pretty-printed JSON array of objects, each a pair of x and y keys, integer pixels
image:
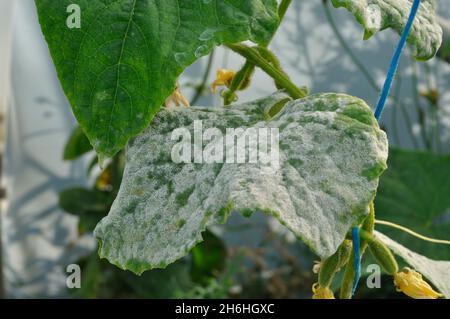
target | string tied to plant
[{"x": 378, "y": 111}]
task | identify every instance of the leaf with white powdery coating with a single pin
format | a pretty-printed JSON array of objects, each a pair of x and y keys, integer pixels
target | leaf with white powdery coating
[
  {"x": 436, "y": 271},
  {"x": 120, "y": 66},
  {"x": 331, "y": 153},
  {"x": 376, "y": 15}
]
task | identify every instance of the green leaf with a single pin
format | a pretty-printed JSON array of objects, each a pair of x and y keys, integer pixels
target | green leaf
[
  {"x": 376, "y": 15},
  {"x": 104, "y": 281},
  {"x": 414, "y": 192},
  {"x": 173, "y": 282},
  {"x": 80, "y": 200},
  {"x": 208, "y": 258},
  {"x": 331, "y": 153},
  {"x": 92, "y": 279},
  {"x": 436, "y": 271},
  {"x": 88, "y": 221},
  {"x": 77, "y": 145},
  {"x": 123, "y": 62},
  {"x": 89, "y": 205}
]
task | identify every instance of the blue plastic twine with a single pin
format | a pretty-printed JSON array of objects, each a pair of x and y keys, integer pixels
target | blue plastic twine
[
  {"x": 395, "y": 60},
  {"x": 379, "y": 109}
]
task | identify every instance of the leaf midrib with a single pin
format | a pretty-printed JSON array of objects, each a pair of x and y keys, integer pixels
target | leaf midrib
[{"x": 119, "y": 63}]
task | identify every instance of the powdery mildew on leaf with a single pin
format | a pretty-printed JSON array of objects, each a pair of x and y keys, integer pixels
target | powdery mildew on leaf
[
  {"x": 331, "y": 155},
  {"x": 376, "y": 15},
  {"x": 436, "y": 271},
  {"x": 120, "y": 66}
]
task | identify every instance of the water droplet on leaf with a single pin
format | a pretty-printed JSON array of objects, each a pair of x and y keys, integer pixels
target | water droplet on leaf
[
  {"x": 201, "y": 51},
  {"x": 182, "y": 58},
  {"x": 207, "y": 35}
]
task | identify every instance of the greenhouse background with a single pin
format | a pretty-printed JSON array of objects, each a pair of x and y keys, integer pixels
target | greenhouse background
[{"x": 254, "y": 257}]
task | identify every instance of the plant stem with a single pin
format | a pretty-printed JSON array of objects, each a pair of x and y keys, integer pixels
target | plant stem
[
  {"x": 238, "y": 82},
  {"x": 347, "y": 280},
  {"x": 248, "y": 68},
  {"x": 202, "y": 85},
  {"x": 253, "y": 57},
  {"x": 368, "y": 226},
  {"x": 282, "y": 8}
]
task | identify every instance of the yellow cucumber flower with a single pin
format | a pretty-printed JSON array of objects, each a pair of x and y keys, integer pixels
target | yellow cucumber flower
[
  {"x": 177, "y": 98},
  {"x": 104, "y": 181},
  {"x": 224, "y": 77},
  {"x": 411, "y": 283},
  {"x": 321, "y": 292}
]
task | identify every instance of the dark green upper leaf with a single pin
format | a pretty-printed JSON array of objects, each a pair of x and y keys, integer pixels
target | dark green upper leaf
[
  {"x": 415, "y": 192},
  {"x": 123, "y": 62}
]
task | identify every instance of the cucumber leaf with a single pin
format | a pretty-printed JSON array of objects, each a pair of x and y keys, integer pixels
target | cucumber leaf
[
  {"x": 414, "y": 192},
  {"x": 376, "y": 15},
  {"x": 436, "y": 271},
  {"x": 331, "y": 153},
  {"x": 123, "y": 62}
]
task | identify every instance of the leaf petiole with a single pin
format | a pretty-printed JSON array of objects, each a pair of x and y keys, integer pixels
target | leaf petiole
[
  {"x": 241, "y": 82},
  {"x": 252, "y": 56}
]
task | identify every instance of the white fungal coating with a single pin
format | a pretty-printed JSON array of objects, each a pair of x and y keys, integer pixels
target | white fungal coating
[
  {"x": 331, "y": 153},
  {"x": 376, "y": 15}
]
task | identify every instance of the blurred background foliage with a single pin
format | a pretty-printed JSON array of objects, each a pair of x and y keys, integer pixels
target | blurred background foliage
[{"x": 413, "y": 192}]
